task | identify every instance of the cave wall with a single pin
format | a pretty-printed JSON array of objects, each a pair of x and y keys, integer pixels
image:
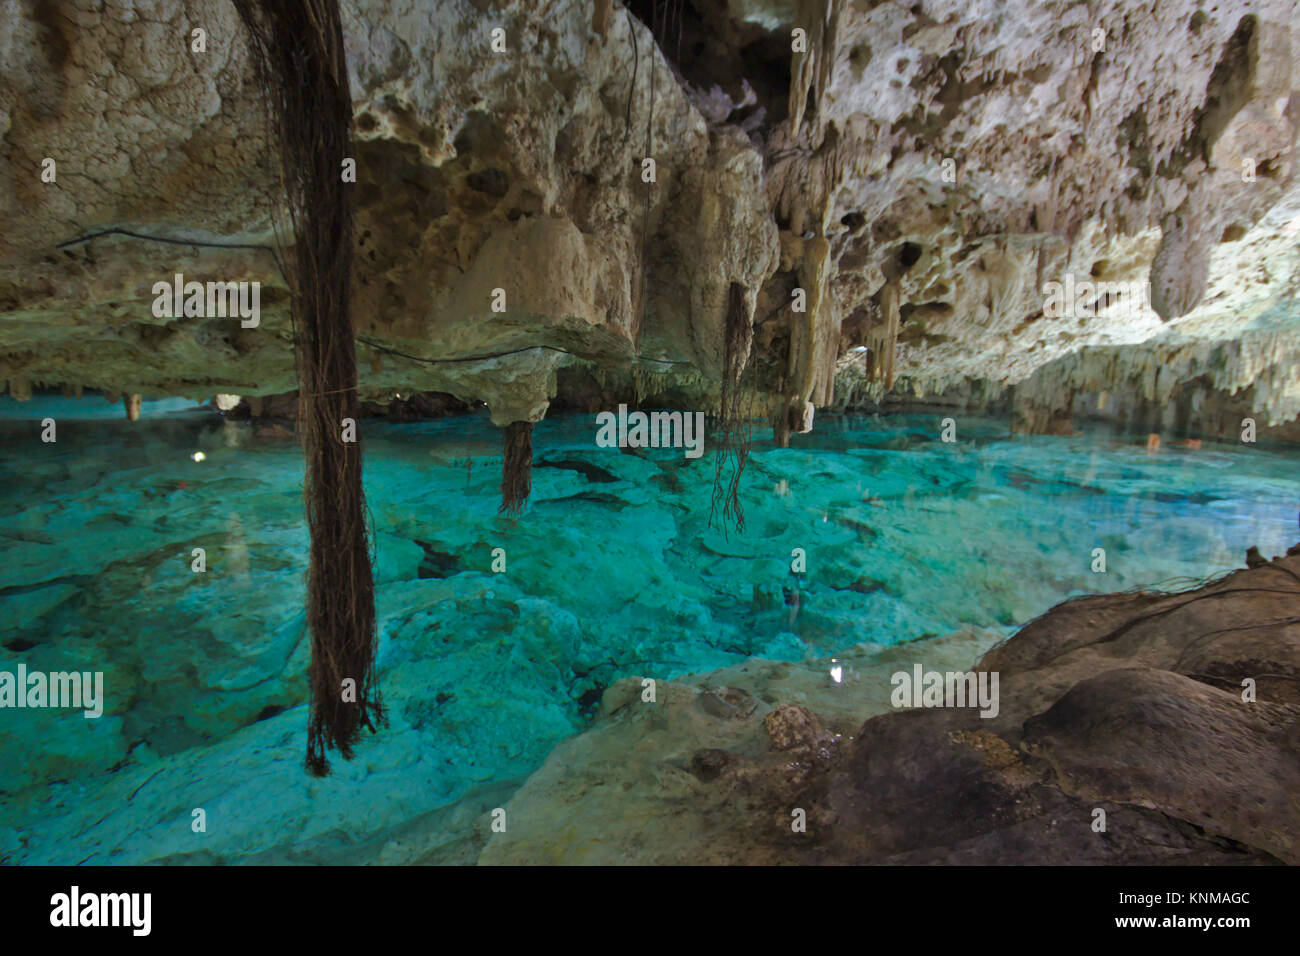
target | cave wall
[{"x": 920, "y": 173}]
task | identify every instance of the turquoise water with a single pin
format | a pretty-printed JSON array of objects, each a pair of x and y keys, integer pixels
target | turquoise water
[{"x": 611, "y": 571}]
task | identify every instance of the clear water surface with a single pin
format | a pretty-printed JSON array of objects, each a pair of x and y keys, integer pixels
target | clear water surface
[{"x": 611, "y": 571}]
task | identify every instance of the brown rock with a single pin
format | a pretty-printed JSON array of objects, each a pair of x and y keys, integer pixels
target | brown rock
[{"x": 790, "y": 726}]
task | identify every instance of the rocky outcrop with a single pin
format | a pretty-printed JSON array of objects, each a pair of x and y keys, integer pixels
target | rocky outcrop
[
  {"x": 1130, "y": 728},
  {"x": 477, "y": 171},
  {"x": 912, "y": 177}
]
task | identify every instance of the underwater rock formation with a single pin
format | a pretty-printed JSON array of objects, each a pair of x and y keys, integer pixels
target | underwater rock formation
[{"x": 1131, "y": 704}]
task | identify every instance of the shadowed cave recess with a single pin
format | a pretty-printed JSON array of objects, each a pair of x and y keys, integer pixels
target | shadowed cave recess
[{"x": 674, "y": 432}]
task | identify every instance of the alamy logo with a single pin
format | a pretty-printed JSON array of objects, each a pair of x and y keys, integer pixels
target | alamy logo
[
  {"x": 213, "y": 300},
  {"x": 102, "y": 909},
  {"x": 953, "y": 689},
  {"x": 56, "y": 689},
  {"x": 1086, "y": 300},
  {"x": 656, "y": 430}
]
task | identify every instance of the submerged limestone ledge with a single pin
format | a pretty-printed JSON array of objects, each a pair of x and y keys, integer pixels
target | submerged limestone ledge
[
  {"x": 1132, "y": 704},
  {"x": 393, "y": 805},
  {"x": 1128, "y": 703}
]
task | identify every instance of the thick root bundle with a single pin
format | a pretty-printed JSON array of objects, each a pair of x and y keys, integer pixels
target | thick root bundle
[
  {"x": 297, "y": 50},
  {"x": 517, "y": 470}
]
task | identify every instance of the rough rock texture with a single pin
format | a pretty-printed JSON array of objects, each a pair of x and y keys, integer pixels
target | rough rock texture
[
  {"x": 1130, "y": 703},
  {"x": 1114, "y": 165},
  {"x": 476, "y": 171},
  {"x": 1109, "y": 157}
]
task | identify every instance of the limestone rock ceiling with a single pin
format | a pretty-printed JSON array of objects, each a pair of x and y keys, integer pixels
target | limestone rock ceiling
[{"x": 921, "y": 174}]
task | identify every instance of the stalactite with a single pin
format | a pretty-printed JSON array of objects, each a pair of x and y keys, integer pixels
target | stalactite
[
  {"x": 807, "y": 362},
  {"x": 812, "y": 70},
  {"x": 781, "y": 425},
  {"x": 815, "y": 274},
  {"x": 20, "y": 388},
  {"x": 828, "y": 345},
  {"x": 638, "y": 384},
  {"x": 884, "y": 342},
  {"x": 517, "y": 469},
  {"x": 600, "y": 16},
  {"x": 132, "y": 404},
  {"x": 734, "y": 420},
  {"x": 297, "y": 51},
  {"x": 826, "y": 58},
  {"x": 801, "y": 71}
]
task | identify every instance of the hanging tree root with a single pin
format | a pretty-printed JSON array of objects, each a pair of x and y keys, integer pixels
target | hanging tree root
[
  {"x": 517, "y": 469},
  {"x": 297, "y": 51}
]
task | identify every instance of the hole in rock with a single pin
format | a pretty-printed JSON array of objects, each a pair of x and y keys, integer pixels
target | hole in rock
[
  {"x": 854, "y": 221},
  {"x": 900, "y": 259},
  {"x": 1270, "y": 168},
  {"x": 589, "y": 700},
  {"x": 859, "y": 57},
  {"x": 710, "y": 48},
  {"x": 437, "y": 564},
  {"x": 490, "y": 181}
]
